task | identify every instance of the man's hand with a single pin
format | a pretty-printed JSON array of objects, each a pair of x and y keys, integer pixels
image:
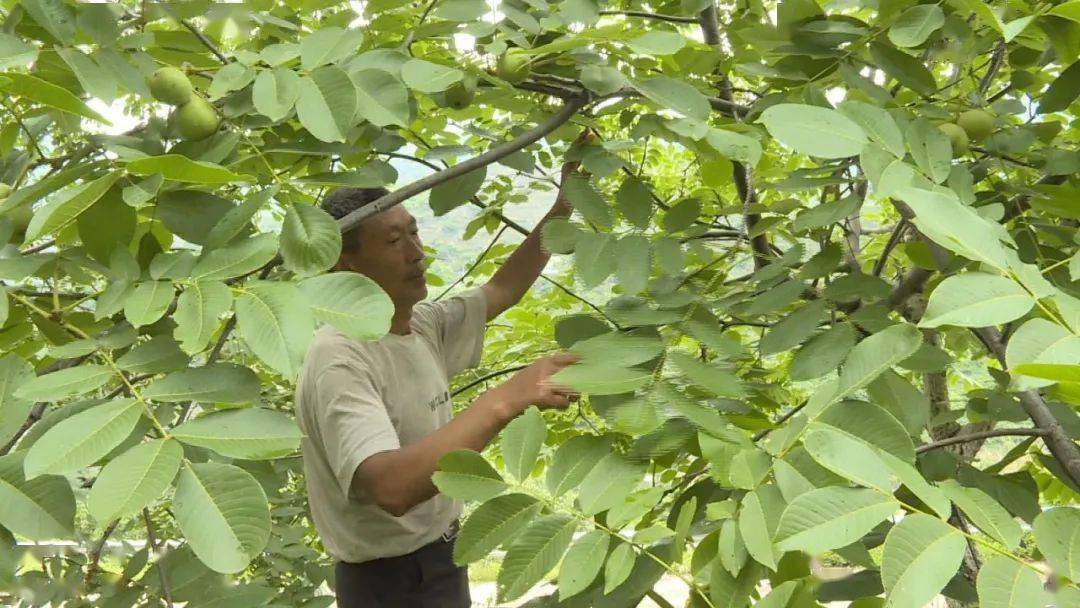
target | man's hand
[{"x": 533, "y": 386}]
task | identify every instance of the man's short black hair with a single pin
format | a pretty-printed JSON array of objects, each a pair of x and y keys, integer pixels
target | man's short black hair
[{"x": 344, "y": 201}]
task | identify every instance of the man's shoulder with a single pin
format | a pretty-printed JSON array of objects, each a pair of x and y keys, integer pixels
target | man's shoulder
[{"x": 330, "y": 345}]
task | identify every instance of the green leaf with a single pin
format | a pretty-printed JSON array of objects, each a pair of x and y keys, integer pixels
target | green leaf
[
  {"x": 221, "y": 382},
  {"x": 198, "y": 313},
  {"x": 634, "y": 263},
  {"x": 382, "y": 99},
  {"x": 62, "y": 211},
  {"x": 921, "y": 555},
  {"x": 223, "y": 513},
  {"x": 15, "y": 53},
  {"x": 94, "y": 79},
  {"x": 914, "y": 481},
  {"x": 521, "y": 441},
  {"x": 242, "y": 257},
  {"x": 1042, "y": 342},
  {"x": 582, "y": 563},
  {"x": 916, "y": 24},
  {"x": 351, "y": 302},
  {"x": 53, "y": 15},
  {"x": 310, "y": 240},
  {"x": 461, "y": 10},
  {"x": 175, "y": 265},
  {"x": 38, "y": 509},
  {"x": 878, "y": 124},
  {"x": 634, "y": 202},
  {"x": 1006, "y": 583},
  {"x": 572, "y": 462},
  {"x": 232, "y": 77},
  {"x": 14, "y": 372},
  {"x": 82, "y": 439},
  {"x": 719, "y": 381},
  {"x": 676, "y": 95},
  {"x": 57, "y": 385},
  {"x": 657, "y": 42},
  {"x": 148, "y": 302},
  {"x": 1054, "y": 372},
  {"x": 976, "y": 299},
  {"x": 1057, "y": 534},
  {"x": 601, "y": 378},
  {"x": 594, "y": 257},
  {"x": 907, "y": 70},
  {"x": 872, "y": 425},
  {"x": 329, "y": 44},
  {"x": 533, "y": 554},
  {"x": 450, "y": 194},
  {"x": 793, "y": 329},
  {"x": 823, "y": 353},
  {"x": 1062, "y": 92},
  {"x": 588, "y": 200},
  {"x": 758, "y": 520},
  {"x": 156, "y": 355},
  {"x": 931, "y": 149},
  {"x": 735, "y": 146},
  {"x": 875, "y": 354},
  {"x": 249, "y": 434},
  {"x": 492, "y": 524},
  {"x": 608, "y": 483},
  {"x": 830, "y": 518},
  {"x": 813, "y": 130},
  {"x": 428, "y": 77},
  {"x": 618, "y": 349},
  {"x": 956, "y": 227},
  {"x": 985, "y": 512},
  {"x": 327, "y": 103},
  {"x": 134, "y": 479},
  {"x": 465, "y": 475},
  {"x": 906, "y": 403},
  {"x": 182, "y": 169},
  {"x": 274, "y": 321},
  {"x": 275, "y": 92},
  {"x": 618, "y": 566},
  {"x": 848, "y": 457},
  {"x": 49, "y": 94}
]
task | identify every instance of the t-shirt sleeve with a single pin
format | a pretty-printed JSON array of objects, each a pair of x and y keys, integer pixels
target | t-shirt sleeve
[
  {"x": 458, "y": 324},
  {"x": 352, "y": 419}
]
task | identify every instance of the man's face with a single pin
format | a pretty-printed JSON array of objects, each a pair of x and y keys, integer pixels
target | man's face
[{"x": 392, "y": 255}]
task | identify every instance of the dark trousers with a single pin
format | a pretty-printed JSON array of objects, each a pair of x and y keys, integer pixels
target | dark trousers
[{"x": 425, "y": 578}]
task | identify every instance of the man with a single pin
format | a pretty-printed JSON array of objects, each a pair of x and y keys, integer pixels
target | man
[{"x": 376, "y": 416}]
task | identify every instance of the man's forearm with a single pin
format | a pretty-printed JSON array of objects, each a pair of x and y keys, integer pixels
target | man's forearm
[
  {"x": 401, "y": 479},
  {"x": 524, "y": 265}
]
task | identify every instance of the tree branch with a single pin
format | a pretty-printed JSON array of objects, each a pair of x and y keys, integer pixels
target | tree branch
[
  {"x": 894, "y": 240},
  {"x": 204, "y": 40},
  {"x": 494, "y": 154},
  {"x": 166, "y": 592},
  {"x": 656, "y": 16},
  {"x": 955, "y": 439},
  {"x": 1062, "y": 447},
  {"x": 95, "y": 555},
  {"x": 486, "y": 377}
]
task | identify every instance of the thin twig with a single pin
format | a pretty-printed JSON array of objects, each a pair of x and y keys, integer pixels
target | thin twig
[
  {"x": 486, "y": 377},
  {"x": 656, "y": 16},
  {"x": 894, "y": 240},
  {"x": 95, "y": 555},
  {"x": 781, "y": 420},
  {"x": 479, "y": 259},
  {"x": 204, "y": 40},
  {"x": 980, "y": 435}
]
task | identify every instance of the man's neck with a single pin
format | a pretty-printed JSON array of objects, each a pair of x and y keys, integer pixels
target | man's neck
[{"x": 401, "y": 322}]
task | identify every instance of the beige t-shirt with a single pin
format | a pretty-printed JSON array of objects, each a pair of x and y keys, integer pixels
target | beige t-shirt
[{"x": 354, "y": 399}]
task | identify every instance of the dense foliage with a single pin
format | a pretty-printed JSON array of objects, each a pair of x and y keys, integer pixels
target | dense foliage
[{"x": 825, "y": 253}]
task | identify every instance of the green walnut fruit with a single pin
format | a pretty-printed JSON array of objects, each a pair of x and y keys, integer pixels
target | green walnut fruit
[
  {"x": 5, "y": 190},
  {"x": 513, "y": 66},
  {"x": 976, "y": 123},
  {"x": 957, "y": 137},
  {"x": 170, "y": 85},
  {"x": 460, "y": 94},
  {"x": 196, "y": 119}
]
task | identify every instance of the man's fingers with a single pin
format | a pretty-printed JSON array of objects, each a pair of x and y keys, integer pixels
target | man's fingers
[{"x": 565, "y": 359}]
